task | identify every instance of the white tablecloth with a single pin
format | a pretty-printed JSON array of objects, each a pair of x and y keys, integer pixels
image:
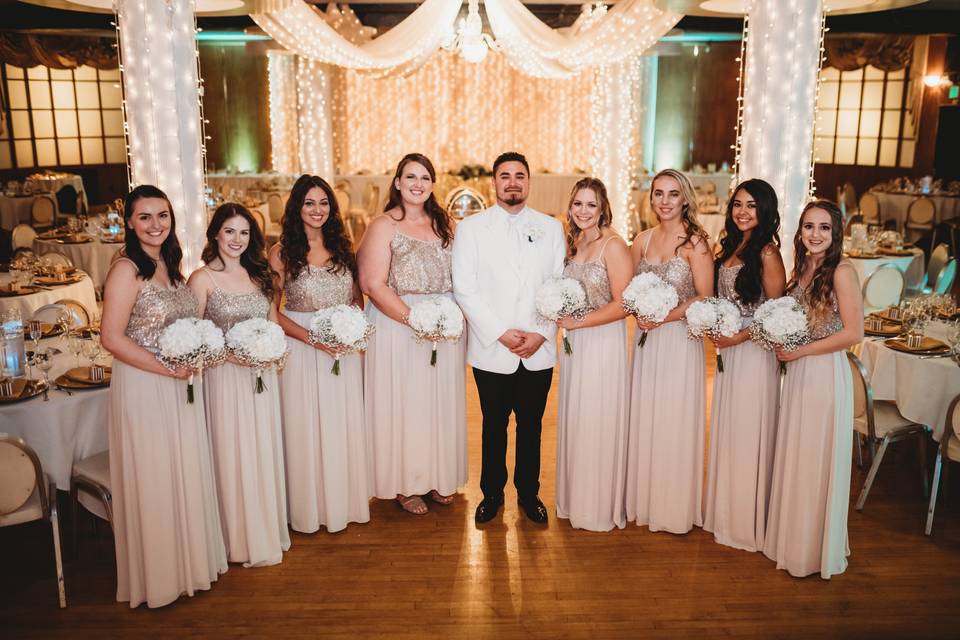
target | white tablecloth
[
  {"x": 922, "y": 389},
  {"x": 894, "y": 206},
  {"x": 16, "y": 210},
  {"x": 911, "y": 266},
  {"x": 81, "y": 291},
  {"x": 712, "y": 223},
  {"x": 93, "y": 257},
  {"x": 64, "y": 429}
]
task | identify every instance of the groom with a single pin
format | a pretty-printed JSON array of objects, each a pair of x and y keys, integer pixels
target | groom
[{"x": 501, "y": 256}]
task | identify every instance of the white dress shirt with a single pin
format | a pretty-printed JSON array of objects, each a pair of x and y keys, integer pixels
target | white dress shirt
[{"x": 499, "y": 262}]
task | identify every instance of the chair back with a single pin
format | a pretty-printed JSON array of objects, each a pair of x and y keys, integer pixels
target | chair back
[
  {"x": 23, "y": 236},
  {"x": 883, "y": 287},
  {"x": 870, "y": 208},
  {"x": 953, "y": 417},
  {"x": 343, "y": 199},
  {"x": 42, "y": 211},
  {"x": 24, "y": 252},
  {"x": 275, "y": 207},
  {"x": 67, "y": 199},
  {"x": 921, "y": 214},
  {"x": 946, "y": 277},
  {"x": 464, "y": 201},
  {"x": 848, "y": 198},
  {"x": 258, "y": 216},
  {"x": 938, "y": 260},
  {"x": 373, "y": 199},
  {"x": 862, "y": 395},
  {"x": 56, "y": 258},
  {"x": 20, "y": 474},
  {"x": 81, "y": 317},
  {"x": 50, "y": 313},
  {"x": 709, "y": 187}
]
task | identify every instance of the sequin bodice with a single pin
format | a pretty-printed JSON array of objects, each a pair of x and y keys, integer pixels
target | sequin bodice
[
  {"x": 226, "y": 309},
  {"x": 419, "y": 266},
  {"x": 155, "y": 308},
  {"x": 827, "y": 325},
  {"x": 674, "y": 271},
  {"x": 318, "y": 288},
  {"x": 726, "y": 288},
  {"x": 593, "y": 276}
]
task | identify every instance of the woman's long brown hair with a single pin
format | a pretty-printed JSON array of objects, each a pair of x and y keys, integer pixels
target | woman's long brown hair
[
  {"x": 606, "y": 215},
  {"x": 820, "y": 291}
]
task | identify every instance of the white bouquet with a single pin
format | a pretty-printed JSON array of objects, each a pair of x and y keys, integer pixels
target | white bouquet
[
  {"x": 343, "y": 328},
  {"x": 649, "y": 297},
  {"x": 436, "y": 318},
  {"x": 191, "y": 342},
  {"x": 258, "y": 343},
  {"x": 713, "y": 317},
  {"x": 561, "y": 298},
  {"x": 780, "y": 323}
]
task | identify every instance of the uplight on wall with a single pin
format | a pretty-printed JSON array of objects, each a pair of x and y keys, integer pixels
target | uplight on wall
[{"x": 936, "y": 80}]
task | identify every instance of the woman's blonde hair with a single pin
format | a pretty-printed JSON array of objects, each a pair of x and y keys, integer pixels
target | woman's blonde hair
[
  {"x": 690, "y": 207},
  {"x": 606, "y": 214}
]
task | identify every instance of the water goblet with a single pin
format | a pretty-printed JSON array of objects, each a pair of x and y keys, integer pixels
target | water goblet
[
  {"x": 44, "y": 362},
  {"x": 75, "y": 345},
  {"x": 36, "y": 332},
  {"x": 91, "y": 351}
]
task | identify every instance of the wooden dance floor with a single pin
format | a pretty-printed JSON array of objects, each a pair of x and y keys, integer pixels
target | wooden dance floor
[{"x": 440, "y": 576}]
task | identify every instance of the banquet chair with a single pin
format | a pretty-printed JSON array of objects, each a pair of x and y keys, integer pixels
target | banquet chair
[
  {"x": 50, "y": 313},
  {"x": 23, "y": 236},
  {"x": 883, "y": 288},
  {"x": 949, "y": 451},
  {"x": 342, "y": 195},
  {"x": 23, "y": 252},
  {"x": 880, "y": 423},
  {"x": 921, "y": 219},
  {"x": 938, "y": 260},
  {"x": 373, "y": 200},
  {"x": 946, "y": 277},
  {"x": 67, "y": 201},
  {"x": 258, "y": 216},
  {"x": 81, "y": 317},
  {"x": 43, "y": 212},
  {"x": 847, "y": 200},
  {"x": 275, "y": 207},
  {"x": 28, "y": 494},
  {"x": 91, "y": 476},
  {"x": 54, "y": 258},
  {"x": 870, "y": 209}
]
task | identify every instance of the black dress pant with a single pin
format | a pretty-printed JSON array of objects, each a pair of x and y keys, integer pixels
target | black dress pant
[{"x": 524, "y": 393}]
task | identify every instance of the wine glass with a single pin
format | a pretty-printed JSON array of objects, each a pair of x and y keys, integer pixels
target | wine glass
[
  {"x": 75, "y": 345},
  {"x": 44, "y": 362},
  {"x": 36, "y": 332},
  {"x": 91, "y": 350}
]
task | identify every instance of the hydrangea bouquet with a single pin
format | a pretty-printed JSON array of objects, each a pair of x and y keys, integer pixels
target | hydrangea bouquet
[
  {"x": 561, "y": 298},
  {"x": 650, "y": 298},
  {"x": 437, "y": 318},
  {"x": 780, "y": 323},
  {"x": 713, "y": 318},
  {"x": 191, "y": 342},
  {"x": 258, "y": 343},
  {"x": 342, "y": 328}
]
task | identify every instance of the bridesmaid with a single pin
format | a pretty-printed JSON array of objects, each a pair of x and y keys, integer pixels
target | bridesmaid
[
  {"x": 667, "y": 397},
  {"x": 236, "y": 285},
  {"x": 807, "y": 524},
  {"x": 743, "y": 428},
  {"x": 594, "y": 379},
  {"x": 416, "y": 413},
  {"x": 165, "y": 516},
  {"x": 328, "y": 475}
]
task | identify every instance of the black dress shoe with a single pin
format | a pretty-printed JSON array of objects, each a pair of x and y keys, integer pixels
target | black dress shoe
[
  {"x": 487, "y": 509},
  {"x": 534, "y": 509}
]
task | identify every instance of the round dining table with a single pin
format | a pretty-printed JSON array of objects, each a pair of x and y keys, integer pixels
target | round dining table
[
  {"x": 81, "y": 291},
  {"x": 911, "y": 266},
  {"x": 894, "y": 205},
  {"x": 93, "y": 256},
  {"x": 16, "y": 210}
]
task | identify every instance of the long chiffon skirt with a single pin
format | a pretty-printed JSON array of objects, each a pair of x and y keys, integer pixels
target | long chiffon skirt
[
  {"x": 667, "y": 423},
  {"x": 743, "y": 433},
  {"x": 807, "y": 525},
  {"x": 166, "y": 523},
  {"x": 324, "y": 435},
  {"x": 592, "y": 428},
  {"x": 416, "y": 413},
  {"x": 248, "y": 463}
]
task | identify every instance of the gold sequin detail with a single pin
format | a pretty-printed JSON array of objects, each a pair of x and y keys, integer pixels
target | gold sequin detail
[
  {"x": 726, "y": 288},
  {"x": 156, "y": 308},
  {"x": 318, "y": 288},
  {"x": 826, "y": 326},
  {"x": 674, "y": 271},
  {"x": 593, "y": 276},
  {"x": 419, "y": 266},
  {"x": 226, "y": 309}
]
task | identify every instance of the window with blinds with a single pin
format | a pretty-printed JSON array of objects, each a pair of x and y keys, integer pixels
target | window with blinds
[{"x": 59, "y": 117}]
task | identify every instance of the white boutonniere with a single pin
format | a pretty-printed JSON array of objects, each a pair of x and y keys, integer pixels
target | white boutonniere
[{"x": 532, "y": 232}]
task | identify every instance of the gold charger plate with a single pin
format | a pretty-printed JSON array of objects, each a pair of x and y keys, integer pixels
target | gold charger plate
[
  {"x": 900, "y": 253},
  {"x": 885, "y": 316},
  {"x": 24, "y": 291},
  {"x": 74, "y": 239},
  {"x": 22, "y": 390},
  {"x": 887, "y": 329},
  {"x": 67, "y": 383},
  {"x": 50, "y": 281},
  {"x": 82, "y": 376},
  {"x": 863, "y": 256},
  {"x": 928, "y": 346}
]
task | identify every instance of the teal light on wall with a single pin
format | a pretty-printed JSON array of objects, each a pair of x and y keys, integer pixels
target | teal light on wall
[
  {"x": 954, "y": 92},
  {"x": 229, "y": 36}
]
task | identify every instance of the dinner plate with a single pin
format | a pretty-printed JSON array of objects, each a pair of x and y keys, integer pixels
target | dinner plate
[
  {"x": 928, "y": 346},
  {"x": 67, "y": 383},
  {"x": 82, "y": 375},
  {"x": 887, "y": 330},
  {"x": 23, "y": 389},
  {"x": 50, "y": 281},
  {"x": 23, "y": 291}
]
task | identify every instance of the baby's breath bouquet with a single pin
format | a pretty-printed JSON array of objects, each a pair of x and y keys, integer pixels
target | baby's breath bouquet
[
  {"x": 343, "y": 328},
  {"x": 780, "y": 323},
  {"x": 193, "y": 343},
  {"x": 258, "y": 343}
]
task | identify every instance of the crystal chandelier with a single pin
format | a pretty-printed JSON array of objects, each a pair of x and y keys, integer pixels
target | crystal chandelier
[{"x": 469, "y": 39}]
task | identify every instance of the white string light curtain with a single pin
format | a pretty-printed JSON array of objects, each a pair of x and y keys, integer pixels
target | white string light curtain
[
  {"x": 302, "y": 30},
  {"x": 625, "y": 31}
]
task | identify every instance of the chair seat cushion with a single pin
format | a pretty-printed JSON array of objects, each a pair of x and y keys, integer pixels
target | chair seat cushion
[
  {"x": 31, "y": 510},
  {"x": 95, "y": 468},
  {"x": 886, "y": 418}
]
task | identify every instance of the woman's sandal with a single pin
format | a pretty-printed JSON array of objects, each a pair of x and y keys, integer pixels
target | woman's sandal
[
  {"x": 412, "y": 504},
  {"x": 441, "y": 499}
]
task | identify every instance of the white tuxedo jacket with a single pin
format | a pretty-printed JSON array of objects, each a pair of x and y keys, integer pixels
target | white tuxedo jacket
[{"x": 497, "y": 269}]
